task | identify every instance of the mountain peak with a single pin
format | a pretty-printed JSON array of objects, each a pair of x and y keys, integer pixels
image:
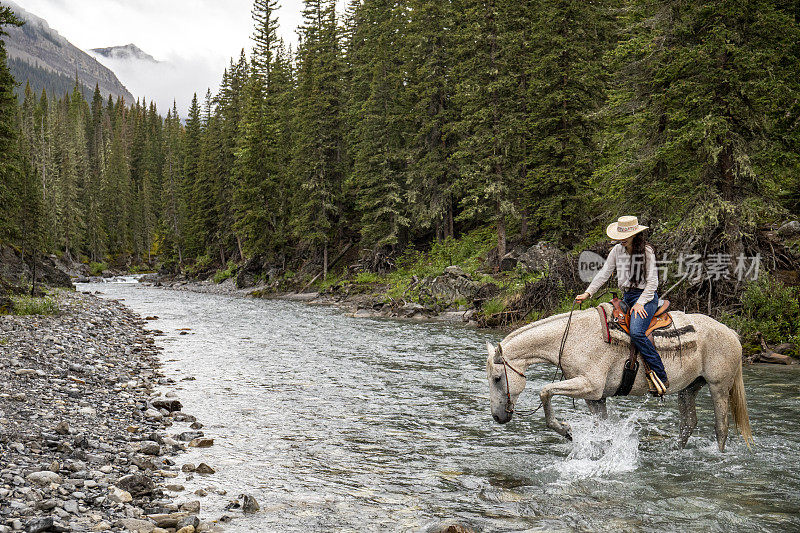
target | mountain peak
[
  {"x": 39, "y": 54},
  {"x": 128, "y": 51}
]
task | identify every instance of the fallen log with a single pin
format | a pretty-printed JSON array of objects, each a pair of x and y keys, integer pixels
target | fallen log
[{"x": 767, "y": 355}]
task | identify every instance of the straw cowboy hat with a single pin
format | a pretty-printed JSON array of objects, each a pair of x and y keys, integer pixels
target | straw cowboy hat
[{"x": 624, "y": 227}]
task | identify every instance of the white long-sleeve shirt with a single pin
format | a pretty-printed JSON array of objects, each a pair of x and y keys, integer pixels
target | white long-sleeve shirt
[{"x": 619, "y": 258}]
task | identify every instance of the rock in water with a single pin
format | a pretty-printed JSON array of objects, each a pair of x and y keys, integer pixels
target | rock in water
[
  {"x": 169, "y": 405},
  {"x": 249, "y": 504},
  {"x": 190, "y": 521},
  {"x": 192, "y": 507},
  {"x": 203, "y": 468}
]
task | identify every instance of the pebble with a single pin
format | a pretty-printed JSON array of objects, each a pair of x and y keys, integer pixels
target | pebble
[
  {"x": 191, "y": 507},
  {"x": 37, "y": 525},
  {"x": 119, "y": 496},
  {"x": 137, "y": 526},
  {"x": 45, "y": 477}
]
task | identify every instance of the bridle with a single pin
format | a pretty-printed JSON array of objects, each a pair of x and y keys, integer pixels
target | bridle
[{"x": 506, "y": 366}]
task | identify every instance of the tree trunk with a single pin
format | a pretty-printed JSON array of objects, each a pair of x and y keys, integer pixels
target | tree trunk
[
  {"x": 33, "y": 273},
  {"x": 524, "y": 229},
  {"x": 239, "y": 244},
  {"x": 450, "y": 231},
  {"x": 325, "y": 261},
  {"x": 501, "y": 235}
]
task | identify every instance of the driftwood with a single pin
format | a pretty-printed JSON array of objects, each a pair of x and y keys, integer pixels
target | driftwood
[{"x": 768, "y": 355}]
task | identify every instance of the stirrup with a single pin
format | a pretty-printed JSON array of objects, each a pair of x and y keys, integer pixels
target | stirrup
[{"x": 656, "y": 386}]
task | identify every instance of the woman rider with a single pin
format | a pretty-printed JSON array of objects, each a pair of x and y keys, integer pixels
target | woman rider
[{"x": 637, "y": 276}]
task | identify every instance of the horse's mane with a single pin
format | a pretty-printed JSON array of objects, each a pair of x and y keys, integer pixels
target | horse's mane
[{"x": 532, "y": 325}]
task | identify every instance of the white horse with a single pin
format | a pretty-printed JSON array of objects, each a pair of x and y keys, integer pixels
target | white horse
[{"x": 593, "y": 369}]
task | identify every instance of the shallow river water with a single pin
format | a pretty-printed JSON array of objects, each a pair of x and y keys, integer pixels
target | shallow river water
[{"x": 337, "y": 423}]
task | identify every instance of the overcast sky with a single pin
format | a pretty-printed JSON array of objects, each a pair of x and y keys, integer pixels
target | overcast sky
[{"x": 194, "y": 39}]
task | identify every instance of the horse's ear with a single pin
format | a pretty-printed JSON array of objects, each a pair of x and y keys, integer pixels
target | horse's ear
[{"x": 495, "y": 354}]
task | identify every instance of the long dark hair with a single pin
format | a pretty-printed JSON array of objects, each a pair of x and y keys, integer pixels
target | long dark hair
[{"x": 639, "y": 266}]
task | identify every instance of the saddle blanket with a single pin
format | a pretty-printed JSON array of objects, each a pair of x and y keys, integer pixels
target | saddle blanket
[{"x": 677, "y": 337}]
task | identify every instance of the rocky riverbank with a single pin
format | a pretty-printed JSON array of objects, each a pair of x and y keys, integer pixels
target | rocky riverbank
[
  {"x": 87, "y": 443},
  {"x": 357, "y": 303}
]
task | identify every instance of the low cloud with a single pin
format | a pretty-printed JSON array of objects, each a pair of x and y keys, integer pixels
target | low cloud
[{"x": 174, "y": 78}]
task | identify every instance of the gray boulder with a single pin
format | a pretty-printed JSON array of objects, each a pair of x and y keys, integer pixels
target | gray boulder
[
  {"x": 790, "y": 229},
  {"x": 537, "y": 258},
  {"x": 453, "y": 284}
]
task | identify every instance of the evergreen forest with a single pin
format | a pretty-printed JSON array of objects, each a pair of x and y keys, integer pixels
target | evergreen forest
[{"x": 397, "y": 126}]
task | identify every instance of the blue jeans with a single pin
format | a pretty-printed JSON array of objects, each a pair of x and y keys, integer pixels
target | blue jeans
[{"x": 639, "y": 326}]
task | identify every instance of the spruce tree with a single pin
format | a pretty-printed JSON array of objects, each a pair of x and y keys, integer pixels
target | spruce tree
[
  {"x": 695, "y": 111},
  {"x": 379, "y": 119},
  {"x": 191, "y": 161},
  {"x": 566, "y": 87},
  {"x": 487, "y": 124},
  {"x": 9, "y": 169},
  {"x": 431, "y": 174},
  {"x": 319, "y": 145}
]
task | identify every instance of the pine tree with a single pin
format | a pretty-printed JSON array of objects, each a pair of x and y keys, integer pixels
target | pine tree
[
  {"x": 566, "y": 89},
  {"x": 191, "y": 161},
  {"x": 173, "y": 222},
  {"x": 30, "y": 221},
  {"x": 431, "y": 175},
  {"x": 378, "y": 113},
  {"x": 9, "y": 170},
  {"x": 487, "y": 125},
  {"x": 318, "y": 147},
  {"x": 265, "y": 36}
]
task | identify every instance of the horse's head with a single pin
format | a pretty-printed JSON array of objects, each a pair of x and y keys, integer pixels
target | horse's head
[{"x": 505, "y": 384}]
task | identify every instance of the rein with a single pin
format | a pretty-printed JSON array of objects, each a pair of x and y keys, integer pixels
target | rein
[{"x": 507, "y": 365}]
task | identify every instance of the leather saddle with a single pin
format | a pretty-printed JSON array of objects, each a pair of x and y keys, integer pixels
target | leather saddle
[{"x": 622, "y": 316}]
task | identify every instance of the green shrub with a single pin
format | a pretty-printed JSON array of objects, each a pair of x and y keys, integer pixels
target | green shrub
[
  {"x": 95, "y": 268},
  {"x": 368, "y": 277},
  {"x": 770, "y": 307},
  {"x": 222, "y": 275},
  {"x": 201, "y": 264},
  {"x": 466, "y": 252},
  {"x": 30, "y": 305},
  {"x": 493, "y": 306}
]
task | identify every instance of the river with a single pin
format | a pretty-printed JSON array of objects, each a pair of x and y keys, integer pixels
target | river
[{"x": 337, "y": 423}]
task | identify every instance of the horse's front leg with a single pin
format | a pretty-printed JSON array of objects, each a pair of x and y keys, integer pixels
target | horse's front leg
[{"x": 579, "y": 387}]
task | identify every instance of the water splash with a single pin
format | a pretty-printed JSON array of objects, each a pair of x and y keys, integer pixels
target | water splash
[{"x": 601, "y": 447}]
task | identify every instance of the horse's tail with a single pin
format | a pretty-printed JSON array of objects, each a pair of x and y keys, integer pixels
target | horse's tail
[{"x": 738, "y": 406}]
